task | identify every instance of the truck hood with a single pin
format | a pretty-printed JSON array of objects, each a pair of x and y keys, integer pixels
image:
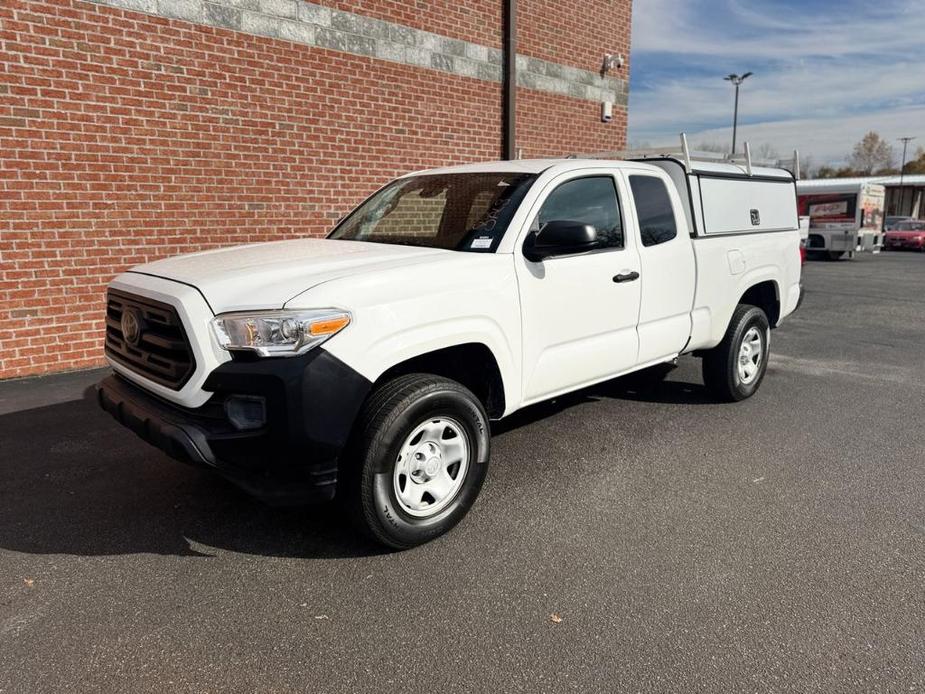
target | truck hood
[{"x": 267, "y": 275}]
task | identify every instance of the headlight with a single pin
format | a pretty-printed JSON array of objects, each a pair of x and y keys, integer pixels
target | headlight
[{"x": 278, "y": 333}]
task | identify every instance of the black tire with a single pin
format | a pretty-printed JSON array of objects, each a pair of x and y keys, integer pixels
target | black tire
[
  {"x": 835, "y": 255},
  {"x": 720, "y": 364},
  {"x": 391, "y": 414}
]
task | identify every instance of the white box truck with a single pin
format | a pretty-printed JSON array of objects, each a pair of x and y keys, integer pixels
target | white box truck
[
  {"x": 368, "y": 366},
  {"x": 846, "y": 216}
]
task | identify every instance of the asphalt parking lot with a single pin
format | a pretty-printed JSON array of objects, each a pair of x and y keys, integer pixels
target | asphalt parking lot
[{"x": 625, "y": 540}]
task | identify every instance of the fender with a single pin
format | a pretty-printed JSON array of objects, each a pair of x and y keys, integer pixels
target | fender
[
  {"x": 723, "y": 313},
  {"x": 373, "y": 357},
  {"x": 460, "y": 298}
]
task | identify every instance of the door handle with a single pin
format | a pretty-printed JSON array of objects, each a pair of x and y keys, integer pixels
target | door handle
[{"x": 626, "y": 277}]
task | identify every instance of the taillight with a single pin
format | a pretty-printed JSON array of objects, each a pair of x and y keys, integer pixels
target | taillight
[{"x": 802, "y": 254}]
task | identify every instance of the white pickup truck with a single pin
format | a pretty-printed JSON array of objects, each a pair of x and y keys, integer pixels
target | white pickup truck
[{"x": 368, "y": 365}]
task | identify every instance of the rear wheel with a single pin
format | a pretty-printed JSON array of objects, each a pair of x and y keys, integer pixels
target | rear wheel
[
  {"x": 734, "y": 369},
  {"x": 417, "y": 461},
  {"x": 835, "y": 255}
]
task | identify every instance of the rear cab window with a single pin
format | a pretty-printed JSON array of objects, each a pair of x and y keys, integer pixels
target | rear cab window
[{"x": 657, "y": 223}]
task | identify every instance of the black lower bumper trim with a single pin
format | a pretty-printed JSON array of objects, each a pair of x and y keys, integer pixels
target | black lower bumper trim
[
  {"x": 311, "y": 405},
  {"x": 152, "y": 421}
]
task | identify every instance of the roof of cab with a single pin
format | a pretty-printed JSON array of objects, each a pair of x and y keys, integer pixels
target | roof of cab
[
  {"x": 531, "y": 166},
  {"x": 537, "y": 166}
]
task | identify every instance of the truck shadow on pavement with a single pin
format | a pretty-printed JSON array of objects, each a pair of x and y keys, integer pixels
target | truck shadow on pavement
[
  {"x": 72, "y": 481},
  {"x": 645, "y": 387}
]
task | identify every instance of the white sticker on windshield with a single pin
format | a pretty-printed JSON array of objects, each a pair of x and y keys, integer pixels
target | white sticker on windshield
[{"x": 481, "y": 242}]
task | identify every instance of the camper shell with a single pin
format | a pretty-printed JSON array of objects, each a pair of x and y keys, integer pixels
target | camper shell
[
  {"x": 725, "y": 194},
  {"x": 729, "y": 198}
]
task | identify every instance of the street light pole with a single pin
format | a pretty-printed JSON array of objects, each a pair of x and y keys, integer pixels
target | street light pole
[
  {"x": 902, "y": 171},
  {"x": 737, "y": 80}
]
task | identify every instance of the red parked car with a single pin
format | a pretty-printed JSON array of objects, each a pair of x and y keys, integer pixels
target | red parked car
[{"x": 906, "y": 235}]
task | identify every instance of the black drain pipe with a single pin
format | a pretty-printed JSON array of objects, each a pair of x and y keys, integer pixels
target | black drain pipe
[{"x": 509, "y": 81}]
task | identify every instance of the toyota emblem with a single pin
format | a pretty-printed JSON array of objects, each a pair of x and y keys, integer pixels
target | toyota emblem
[{"x": 131, "y": 326}]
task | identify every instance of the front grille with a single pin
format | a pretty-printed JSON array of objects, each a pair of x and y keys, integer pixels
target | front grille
[{"x": 161, "y": 352}]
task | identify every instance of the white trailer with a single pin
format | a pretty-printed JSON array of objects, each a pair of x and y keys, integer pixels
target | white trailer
[{"x": 845, "y": 216}]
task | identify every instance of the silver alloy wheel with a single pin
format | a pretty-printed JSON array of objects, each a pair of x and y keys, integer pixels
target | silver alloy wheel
[
  {"x": 751, "y": 352},
  {"x": 431, "y": 467}
]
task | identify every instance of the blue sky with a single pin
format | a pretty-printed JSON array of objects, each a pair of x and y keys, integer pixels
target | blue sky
[{"x": 826, "y": 72}]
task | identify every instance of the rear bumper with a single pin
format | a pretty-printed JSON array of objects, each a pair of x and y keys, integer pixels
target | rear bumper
[
  {"x": 904, "y": 245},
  {"x": 310, "y": 404}
]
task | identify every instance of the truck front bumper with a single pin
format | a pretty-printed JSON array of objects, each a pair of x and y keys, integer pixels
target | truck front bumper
[{"x": 288, "y": 452}]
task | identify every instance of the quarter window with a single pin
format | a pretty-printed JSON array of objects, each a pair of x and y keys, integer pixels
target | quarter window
[
  {"x": 591, "y": 200},
  {"x": 653, "y": 210}
]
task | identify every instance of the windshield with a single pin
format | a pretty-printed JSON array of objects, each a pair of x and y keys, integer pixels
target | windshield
[
  {"x": 893, "y": 222},
  {"x": 461, "y": 211},
  {"x": 910, "y": 226}
]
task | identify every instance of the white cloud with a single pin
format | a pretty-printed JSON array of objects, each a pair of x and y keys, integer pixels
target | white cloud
[
  {"x": 744, "y": 28},
  {"x": 827, "y": 139},
  {"x": 823, "y": 77}
]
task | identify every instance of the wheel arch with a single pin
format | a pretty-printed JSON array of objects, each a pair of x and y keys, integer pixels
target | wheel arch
[
  {"x": 761, "y": 289},
  {"x": 472, "y": 364},
  {"x": 766, "y": 296}
]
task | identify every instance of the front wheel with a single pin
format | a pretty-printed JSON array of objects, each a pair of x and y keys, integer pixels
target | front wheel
[
  {"x": 734, "y": 369},
  {"x": 418, "y": 459}
]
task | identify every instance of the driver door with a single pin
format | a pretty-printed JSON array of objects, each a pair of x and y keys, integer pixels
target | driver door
[{"x": 580, "y": 311}]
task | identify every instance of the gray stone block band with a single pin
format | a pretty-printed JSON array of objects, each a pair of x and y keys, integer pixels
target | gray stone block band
[{"x": 324, "y": 27}]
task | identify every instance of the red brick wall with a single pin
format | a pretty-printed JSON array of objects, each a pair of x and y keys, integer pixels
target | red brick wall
[
  {"x": 126, "y": 137},
  {"x": 574, "y": 33},
  {"x": 478, "y": 21},
  {"x": 546, "y": 126}
]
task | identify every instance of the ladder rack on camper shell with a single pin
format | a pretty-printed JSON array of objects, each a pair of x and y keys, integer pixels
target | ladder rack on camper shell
[
  {"x": 723, "y": 194},
  {"x": 687, "y": 157}
]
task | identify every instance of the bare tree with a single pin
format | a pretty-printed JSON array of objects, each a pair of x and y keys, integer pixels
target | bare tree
[
  {"x": 766, "y": 152},
  {"x": 872, "y": 153},
  {"x": 917, "y": 165},
  {"x": 807, "y": 166},
  {"x": 710, "y": 147}
]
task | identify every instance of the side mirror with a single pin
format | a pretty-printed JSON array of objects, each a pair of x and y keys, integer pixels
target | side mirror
[{"x": 560, "y": 238}]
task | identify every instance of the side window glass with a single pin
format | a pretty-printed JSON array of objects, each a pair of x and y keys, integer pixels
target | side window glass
[
  {"x": 591, "y": 200},
  {"x": 653, "y": 209}
]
